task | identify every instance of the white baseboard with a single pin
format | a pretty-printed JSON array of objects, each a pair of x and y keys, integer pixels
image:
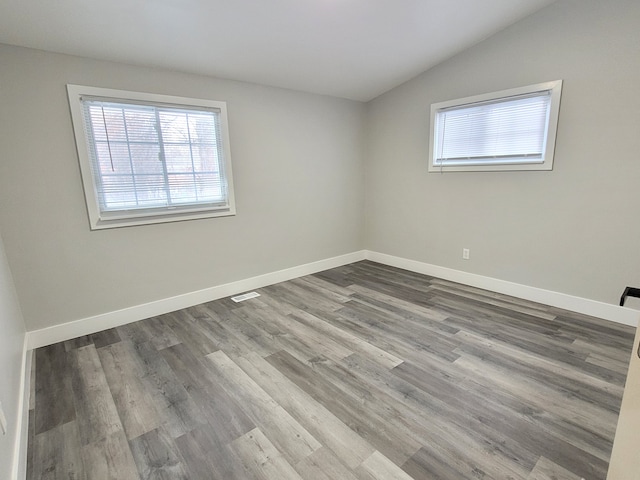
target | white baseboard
[
  {"x": 614, "y": 313},
  {"x": 19, "y": 468},
  {"x": 97, "y": 323},
  {"x": 86, "y": 326}
]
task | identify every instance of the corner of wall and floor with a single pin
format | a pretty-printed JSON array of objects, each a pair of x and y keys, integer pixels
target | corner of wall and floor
[{"x": 562, "y": 230}]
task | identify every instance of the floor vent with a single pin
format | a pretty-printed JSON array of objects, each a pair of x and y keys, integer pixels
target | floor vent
[{"x": 245, "y": 296}]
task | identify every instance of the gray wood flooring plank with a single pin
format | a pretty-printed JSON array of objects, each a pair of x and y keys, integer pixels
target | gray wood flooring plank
[
  {"x": 263, "y": 332},
  {"x": 359, "y": 372},
  {"x": 491, "y": 295},
  {"x": 190, "y": 332},
  {"x": 323, "y": 465},
  {"x": 157, "y": 457},
  {"x": 548, "y": 406},
  {"x": 619, "y": 355},
  {"x": 104, "y": 338},
  {"x": 351, "y": 342},
  {"x": 319, "y": 344},
  {"x": 173, "y": 404},
  {"x": 96, "y": 413},
  {"x": 545, "y": 469},
  {"x": 77, "y": 342},
  {"x": 411, "y": 324},
  {"x": 423, "y": 464},
  {"x": 224, "y": 416},
  {"x": 261, "y": 459},
  {"x": 346, "y": 444},
  {"x": 408, "y": 346},
  {"x": 311, "y": 287},
  {"x": 207, "y": 458},
  {"x": 418, "y": 416},
  {"x": 320, "y": 283},
  {"x": 373, "y": 428},
  {"x": 109, "y": 459},
  {"x": 53, "y": 390},
  {"x": 494, "y": 301},
  {"x": 135, "y": 332},
  {"x": 57, "y": 454},
  {"x": 580, "y": 385},
  {"x": 133, "y": 402},
  {"x": 398, "y": 305},
  {"x": 381, "y": 468},
  {"x": 562, "y": 354},
  {"x": 275, "y": 422},
  {"x": 448, "y": 429},
  {"x": 561, "y": 452},
  {"x": 222, "y": 328}
]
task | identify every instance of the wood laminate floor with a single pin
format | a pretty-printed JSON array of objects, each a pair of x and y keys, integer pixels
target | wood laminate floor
[{"x": 360, "y": 372}]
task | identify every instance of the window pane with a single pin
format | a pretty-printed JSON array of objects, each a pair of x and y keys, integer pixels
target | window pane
[
  {"x": 203, "y": 128},
  {"x": 141, "y": 124},
  {"x": 174, "y": 126},
  {"x": 146, "y": 158},
  {"x": 151, "y": 190},
  {"x": 108, "y": 123},
  {"x": 118, "y": 192},
  {"x": 205, "y": 158},
  {"x": 182, "y": 189},
  {"x": 507, "y": 128},
  {"x": 209, "y": 188},
  {"x": 178, "y": 158},
  {"x": 152, "y": 155},
  {"x": 113, "y": 159}
]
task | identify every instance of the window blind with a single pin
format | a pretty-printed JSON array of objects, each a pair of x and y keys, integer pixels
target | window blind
[
  {"x": 150, "y": 157},
  {"x": 511, "y": 130}
]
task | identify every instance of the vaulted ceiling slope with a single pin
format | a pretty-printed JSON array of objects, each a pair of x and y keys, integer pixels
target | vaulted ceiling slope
[{"x": 355, "y": 49}]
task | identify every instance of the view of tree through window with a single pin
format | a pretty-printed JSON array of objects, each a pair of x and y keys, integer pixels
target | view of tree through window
[{"x": 147, "y": 156}]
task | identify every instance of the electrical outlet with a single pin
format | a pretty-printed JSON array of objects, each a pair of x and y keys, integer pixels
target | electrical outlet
[
  {"x": 3, "y": 421},
  {"x": 465, "y": 253}
]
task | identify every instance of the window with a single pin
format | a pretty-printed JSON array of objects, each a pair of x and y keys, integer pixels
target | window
[
  {"x": 148, "y": 158},
  {"x": 508, "y": 130}
]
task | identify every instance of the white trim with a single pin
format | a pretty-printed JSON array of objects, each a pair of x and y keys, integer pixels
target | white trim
[
  {"x": 86, "y": 326},
  {"x": 607, "y": 311},
  {"x": 19, "y": 467},
  {"x": 97, "y": 323}
]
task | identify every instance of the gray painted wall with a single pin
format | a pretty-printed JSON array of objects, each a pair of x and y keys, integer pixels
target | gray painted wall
[
  {"x": 573, "y": 230},
  {"x": 304, "y": 186},
  {"x": 297, "y": 166},
  {"x": 11, "y": 341}
]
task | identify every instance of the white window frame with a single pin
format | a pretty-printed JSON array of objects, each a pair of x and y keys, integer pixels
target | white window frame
[
  {"x": 555, "y": 90},
  {"x": 121, "y": 218}
]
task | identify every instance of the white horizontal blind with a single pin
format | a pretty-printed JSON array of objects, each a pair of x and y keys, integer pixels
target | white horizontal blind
[
  {"x": 511, "y": 130},
  {"x": 151, "y": 157}
]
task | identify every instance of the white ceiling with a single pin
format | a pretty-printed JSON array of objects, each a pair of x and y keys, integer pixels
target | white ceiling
[{"x": 355, "y": 49}]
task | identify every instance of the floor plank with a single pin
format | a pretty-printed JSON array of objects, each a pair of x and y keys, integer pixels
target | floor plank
[
  {"x": 361, "y": 372},
  {"x": 261, "y": 459}
]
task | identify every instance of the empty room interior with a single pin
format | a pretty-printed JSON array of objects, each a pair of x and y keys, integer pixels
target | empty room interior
[{"x": 321, "y": 239}]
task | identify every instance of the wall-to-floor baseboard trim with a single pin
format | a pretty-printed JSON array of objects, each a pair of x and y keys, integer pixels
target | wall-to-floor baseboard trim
[
  {"x": 626, "y": 316},
  {"x": 86, "y": 326},
  {"x": 19, "y": 468}
]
